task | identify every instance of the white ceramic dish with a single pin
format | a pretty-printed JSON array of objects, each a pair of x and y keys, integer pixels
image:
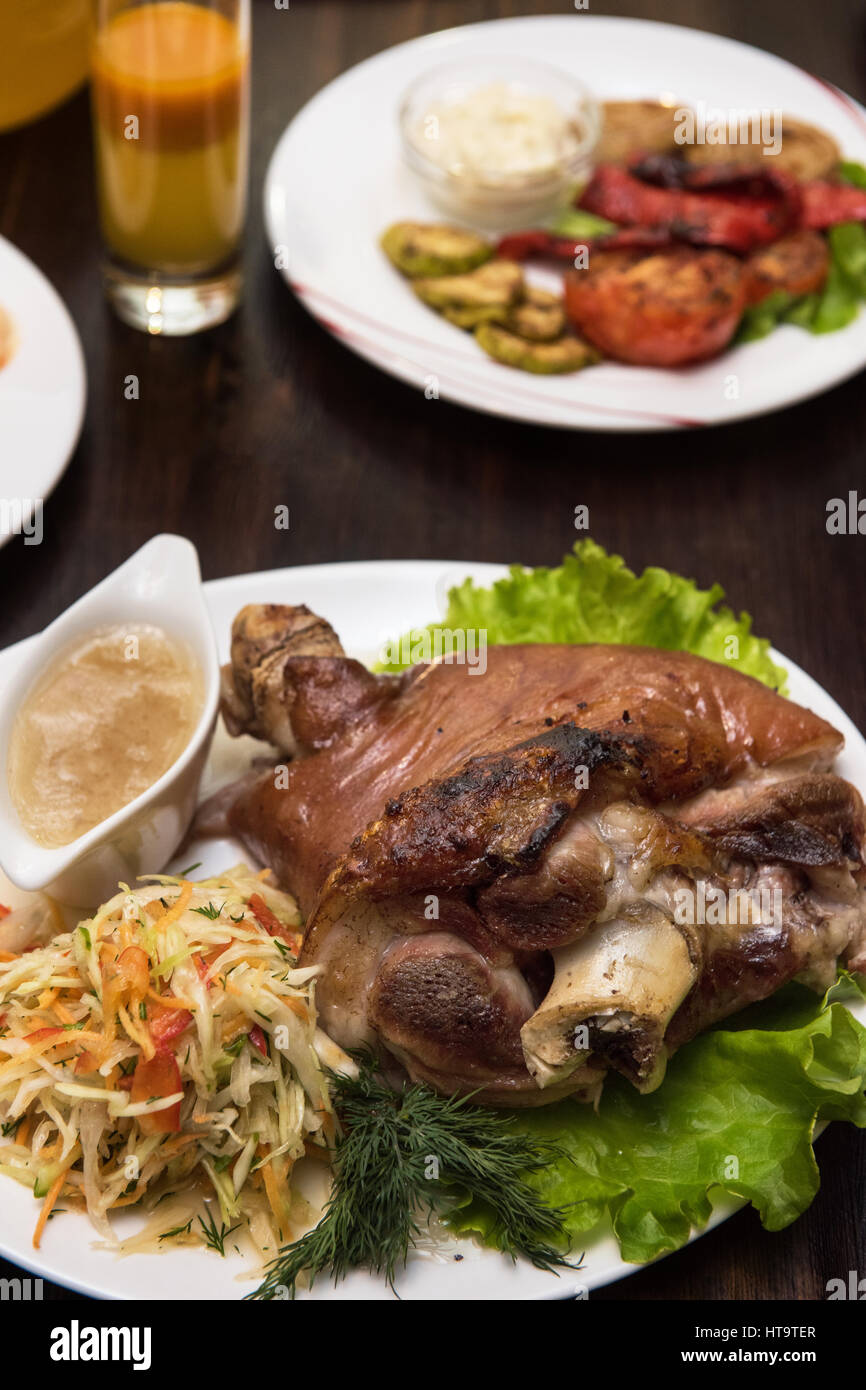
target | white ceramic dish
[
  {"x": 489, "y": 198},
  {"x": 159, "y": 584},
  {"x": 337, "y": 180},
  {"x": 367, "y": 603},
  {"x": 42, "y": 391}
]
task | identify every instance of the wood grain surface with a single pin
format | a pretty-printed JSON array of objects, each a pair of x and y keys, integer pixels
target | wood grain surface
[{"x": 268, "y": 409}]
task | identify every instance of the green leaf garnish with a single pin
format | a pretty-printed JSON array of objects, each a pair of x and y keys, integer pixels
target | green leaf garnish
[
  {"x": 735, "y": 1114},
  {"x": 593, "y": 597}
]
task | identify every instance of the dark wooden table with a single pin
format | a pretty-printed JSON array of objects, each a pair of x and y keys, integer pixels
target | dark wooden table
[{"x": 269, "y": 409}]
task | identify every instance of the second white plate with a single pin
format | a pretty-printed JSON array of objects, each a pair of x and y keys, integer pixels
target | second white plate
[
  {"x": 42, "y": 390},
  {"x": 336, "y": 181}
]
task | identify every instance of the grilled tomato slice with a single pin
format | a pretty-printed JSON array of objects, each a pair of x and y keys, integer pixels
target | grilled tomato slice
[
  {"x": 797, "y": 263},
  {"x": 677, "y": 306}
]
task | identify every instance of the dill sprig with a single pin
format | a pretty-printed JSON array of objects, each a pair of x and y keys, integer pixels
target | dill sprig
[
  {"x": 211, "y": 911},
  {"x": 404, "y": 1154},
  {"x": 177, "y": 1231},
  {"x": 214, "y": 1236}
]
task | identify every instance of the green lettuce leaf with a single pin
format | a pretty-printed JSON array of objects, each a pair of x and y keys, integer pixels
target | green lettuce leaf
[
  {"x": 852, "y": 172},
  {"x": 760, "y": 319},
  {"x": 735, "y": 1114},
  {"x": 593, "y": 597},
  {"x": 840, "y": 300},
  {"x": 838, "y": 304},
  {"x": 834, "y": 307}
]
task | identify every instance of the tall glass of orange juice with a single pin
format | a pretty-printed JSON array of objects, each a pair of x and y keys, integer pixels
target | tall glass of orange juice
[{"x": 170, "y": 83}]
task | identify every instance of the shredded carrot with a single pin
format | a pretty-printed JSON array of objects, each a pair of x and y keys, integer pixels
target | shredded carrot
[
  {"x": 173, "y": 1146},
  {"x": 177, "y": 907},
  {"x": 6, "y": 956},
  {"x": 63, "y": 1014},
  {"x": 22, "y": 1134},
  {"x": 329, "y": 1128},
  {"x": 49, "y": 1205},
  {"x": 276, "y": 1200},
  {"x": 127, "y": 1200},
  {"x": 37, "y": 1049},
  {"x": 47, "y": 998},
  {"x": 140, "y": 1036},
  {"x": 171, "y": 1001},
  {"x": 233, "y": 1028}
]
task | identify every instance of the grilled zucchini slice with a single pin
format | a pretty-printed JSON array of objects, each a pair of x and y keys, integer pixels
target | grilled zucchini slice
[{"x": 419, "y": 248}]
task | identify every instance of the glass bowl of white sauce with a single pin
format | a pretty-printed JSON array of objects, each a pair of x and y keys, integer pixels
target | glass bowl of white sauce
[{"x": 499, "y": 143}]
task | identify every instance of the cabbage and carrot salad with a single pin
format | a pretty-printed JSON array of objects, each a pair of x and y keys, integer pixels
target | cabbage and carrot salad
[{"x": 165, "y": 1055}]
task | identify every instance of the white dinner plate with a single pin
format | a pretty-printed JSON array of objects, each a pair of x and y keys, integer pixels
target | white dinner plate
[
  {"x": 367, "y": 603},
  {"x": 336, "y": 181},
  {"x": 42, "y": 390}
]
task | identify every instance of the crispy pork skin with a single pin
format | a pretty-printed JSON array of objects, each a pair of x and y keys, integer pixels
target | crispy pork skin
[{"x": 572, "y": 863}]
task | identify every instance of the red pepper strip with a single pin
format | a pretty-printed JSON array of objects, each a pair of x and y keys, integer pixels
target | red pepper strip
[
  {"x": 167, "y": 1025},
  {"x": 42, "y": 1033},
  {"x": 825, "y": 204},
  {"x": 85, "y": 1063},
  {"x": 271, "y": 923},
  {"x": 4, "y": 911},
  {"x": 205, "y": 964},
  {"x": 746, "y": 180},
  {"x": 520, "y": 245},
  {"x": 157, "y": 1078},
  {"x": 258, "y": 1040},
  {"x": 704, "y": 219}
]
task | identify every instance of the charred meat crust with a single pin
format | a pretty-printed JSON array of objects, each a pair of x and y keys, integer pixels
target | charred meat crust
[
  {"x": 500, "y": 812},
  {"x": 732, "y": 978},
  {"x": 495, "y": 815},
  {"x": 445, "y": 1008},
  {"x": 811, "y": 821}
]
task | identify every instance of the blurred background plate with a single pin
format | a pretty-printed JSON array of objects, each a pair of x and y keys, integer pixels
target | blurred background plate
[
  {"x": 42, "y": 387},
  {"x": 337, "y": 180}
]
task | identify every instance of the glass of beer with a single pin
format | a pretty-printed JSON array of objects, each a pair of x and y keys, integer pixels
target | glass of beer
[{"x": 170, "y": 84}]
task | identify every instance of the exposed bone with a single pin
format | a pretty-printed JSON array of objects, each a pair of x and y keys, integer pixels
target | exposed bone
[
  {"x": 256, "y": 698},
  {"x": 623, "y": 981}
]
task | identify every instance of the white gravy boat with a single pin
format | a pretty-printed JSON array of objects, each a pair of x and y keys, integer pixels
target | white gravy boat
[{"x": 160, "y": 584}]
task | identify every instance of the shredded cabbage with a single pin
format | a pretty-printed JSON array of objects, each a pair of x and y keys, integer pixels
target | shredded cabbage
[{"x": 165, "y": 1054}]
